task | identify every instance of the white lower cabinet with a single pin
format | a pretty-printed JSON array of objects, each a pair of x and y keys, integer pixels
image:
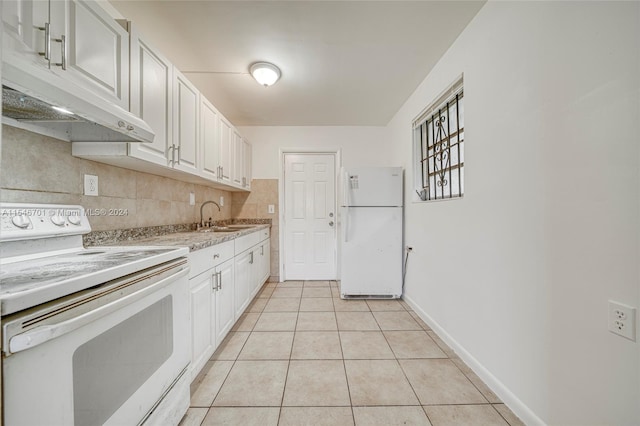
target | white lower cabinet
[
  {"x": 244, "y": 272},
  {"x": 224, "y": 314},
  {"x": 203, "y": 305},
  {"x": 211, "y": 293},
  {"x": 265, "y": 261},
  {"x": 221, "y": 284}
]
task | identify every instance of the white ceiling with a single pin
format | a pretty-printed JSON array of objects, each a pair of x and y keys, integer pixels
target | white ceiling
[{"x": 342, "y": 62}]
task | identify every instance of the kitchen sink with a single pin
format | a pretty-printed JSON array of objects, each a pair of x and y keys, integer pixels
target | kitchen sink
[
  {"x": 217, "y": 229},
  {"x": 230, "y": 228}
]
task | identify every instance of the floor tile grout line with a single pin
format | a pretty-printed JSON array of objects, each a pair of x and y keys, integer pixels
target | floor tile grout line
[
  {"x": 205, "y": 415},
  {"x": 500, "y": 414},
  {"x": 286, "y": 376}
]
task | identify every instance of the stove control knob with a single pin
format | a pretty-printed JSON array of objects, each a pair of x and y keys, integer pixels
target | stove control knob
[
  {"x": 57, "y": 220},
  {"x": 74, "y": 219},
  {"x": 21, "y": 221}
]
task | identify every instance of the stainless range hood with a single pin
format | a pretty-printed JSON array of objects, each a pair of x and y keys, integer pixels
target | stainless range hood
[{"x": 41, "y": 101}]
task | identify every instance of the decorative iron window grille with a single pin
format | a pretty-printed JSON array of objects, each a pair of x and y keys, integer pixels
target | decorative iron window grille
[{"x": 439, "y": 147}]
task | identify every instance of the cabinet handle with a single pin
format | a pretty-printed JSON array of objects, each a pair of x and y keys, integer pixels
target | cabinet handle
[
  {"x": 47, "y": 42},
  {"x": 214, "y": 277},
  {"x": 251, "y": 261},
  {"x": 219, "y": 274},
  {"x": 261, "y": 250},
  {"x": 63, "y": 47},
  {"x": 216, "y": 256},
  {"x": 178, "y": 149},
  {"x": 170, "y": 148},
  {"x": 222, "y": 172}
]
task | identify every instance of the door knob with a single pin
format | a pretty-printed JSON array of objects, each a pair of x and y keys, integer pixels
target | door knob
[
  {"x": 331, "y": 223},
  {"x": 330, "y": 214}
]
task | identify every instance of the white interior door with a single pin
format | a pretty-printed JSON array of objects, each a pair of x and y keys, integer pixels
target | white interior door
[{"x": 309, "y": 217}]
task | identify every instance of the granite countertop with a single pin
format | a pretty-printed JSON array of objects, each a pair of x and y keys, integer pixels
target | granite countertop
[{"x": 194, "y": 240}]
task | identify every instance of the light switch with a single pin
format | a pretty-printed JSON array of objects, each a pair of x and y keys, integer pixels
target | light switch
[
  {"x": 192, "y": 199},
  {"x": 221, "y": 201},
  {"x": 272, "y": 209}
]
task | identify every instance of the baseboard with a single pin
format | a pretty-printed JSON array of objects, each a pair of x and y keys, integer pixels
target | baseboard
[{"x": 519, "y": 408}]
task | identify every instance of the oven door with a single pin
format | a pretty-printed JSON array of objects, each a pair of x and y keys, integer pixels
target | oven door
[{"x": 103, "y": 357}]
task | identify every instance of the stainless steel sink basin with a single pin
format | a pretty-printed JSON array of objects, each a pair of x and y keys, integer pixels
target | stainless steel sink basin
[
  {"x": 230, "y": 228},
  {"x": 217, "y": 229}
]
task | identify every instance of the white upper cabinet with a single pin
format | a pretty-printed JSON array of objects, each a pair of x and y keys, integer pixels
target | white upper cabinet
[
  {"x": 226, "y": 151},
  {"x": 79, "y": 41},
  {"x": 209, "y": 139},
  {"x": 237, "y": 169},
  {"x": 151, "y": 92},
  {"x": 186, "y": 103},
  {"x": 76, "y": 39},
  {"x": 97, "y": 50},
  {"x": 246, "y": 162},
  {"x": 26, "y": 25}
]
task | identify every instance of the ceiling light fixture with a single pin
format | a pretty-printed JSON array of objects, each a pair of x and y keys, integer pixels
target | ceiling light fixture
[{"x": 265, "y": 73}]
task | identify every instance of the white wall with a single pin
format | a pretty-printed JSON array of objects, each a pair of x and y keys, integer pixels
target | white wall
[
  {"x": 517, "y": 274},
  {"x": 360, "y": 145}
]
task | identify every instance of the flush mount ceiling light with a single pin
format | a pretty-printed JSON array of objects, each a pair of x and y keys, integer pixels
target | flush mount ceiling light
[{"x": 265, "y": 73}]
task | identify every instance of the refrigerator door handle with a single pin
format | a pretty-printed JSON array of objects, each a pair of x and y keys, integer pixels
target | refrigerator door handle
[
  {"x": 346, "y": 224},
  {"x": 347, "y": 203}
]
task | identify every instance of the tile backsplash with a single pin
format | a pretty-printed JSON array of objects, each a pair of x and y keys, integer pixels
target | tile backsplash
[
  {"x": 255, "y": 205},
  {"x": 39, "y": 169}
]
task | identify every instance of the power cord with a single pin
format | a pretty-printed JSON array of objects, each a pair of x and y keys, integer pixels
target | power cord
[{"x": 404, "y": 271}]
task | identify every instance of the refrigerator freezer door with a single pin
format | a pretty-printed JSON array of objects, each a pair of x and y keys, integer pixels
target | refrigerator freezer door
[
  {"x": 372, "y": 186},
  {"x": 371, "y": 257}
]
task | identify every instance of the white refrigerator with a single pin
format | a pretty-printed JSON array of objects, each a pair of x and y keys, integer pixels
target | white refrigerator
[{"x": 371, "y": 232}]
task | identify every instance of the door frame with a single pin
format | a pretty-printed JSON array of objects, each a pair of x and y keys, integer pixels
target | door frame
[{"x": 337, "y": 158}]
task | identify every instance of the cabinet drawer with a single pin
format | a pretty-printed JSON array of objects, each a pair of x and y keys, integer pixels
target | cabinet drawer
[
  {"x": 246, "y": 241},
  {"x": 202, "y": 260},
  {"x": 264, "y": 234}
]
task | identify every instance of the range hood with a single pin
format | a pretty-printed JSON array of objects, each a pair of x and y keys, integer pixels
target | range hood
[{"x": 39, "y": 100}]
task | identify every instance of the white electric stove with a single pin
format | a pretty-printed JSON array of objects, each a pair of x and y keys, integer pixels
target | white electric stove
[{"x": 89, "y": 336}]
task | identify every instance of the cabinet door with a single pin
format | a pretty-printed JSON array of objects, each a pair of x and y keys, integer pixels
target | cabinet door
[
  {"x": 97, "y": 49},
  {"x": 246, "y": 160},
  {"x": 224, "y": 299},
  {"x": 237, "y": 169},
  {"x": 24, "y": 28},
  {"x": 265, "y": 264},
  {"x": 226, "y": 150},
  {"x": 85, "y": 44},
  {"x": 209, "y": 139},
  {"x": 203, "y": 336},
  {"x": 244, "y": 263},
  {"x": 151, "y": 92},
  {"x": 185, "y": 123}
]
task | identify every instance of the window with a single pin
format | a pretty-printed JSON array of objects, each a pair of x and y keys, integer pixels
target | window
[{"x": 438, "y": 139}]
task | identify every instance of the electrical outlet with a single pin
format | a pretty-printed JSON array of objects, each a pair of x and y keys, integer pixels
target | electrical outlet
[
  {"x": 221, "y": 201},
  {"x": 622, "y": 320},
  {"x": 192, "y": 199},
  {"x": 271, "y": 209},
  {"x": 91, "y": 185}
]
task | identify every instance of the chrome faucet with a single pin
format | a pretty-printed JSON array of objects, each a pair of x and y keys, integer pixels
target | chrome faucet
[{"x": 202, "y": 207}]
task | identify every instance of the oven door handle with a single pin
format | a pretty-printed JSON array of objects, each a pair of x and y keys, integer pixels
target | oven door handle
[{"x": 44, "y": 333}]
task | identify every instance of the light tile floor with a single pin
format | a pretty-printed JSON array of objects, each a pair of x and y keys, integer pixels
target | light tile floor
[{"x": 302, "y": 356}]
